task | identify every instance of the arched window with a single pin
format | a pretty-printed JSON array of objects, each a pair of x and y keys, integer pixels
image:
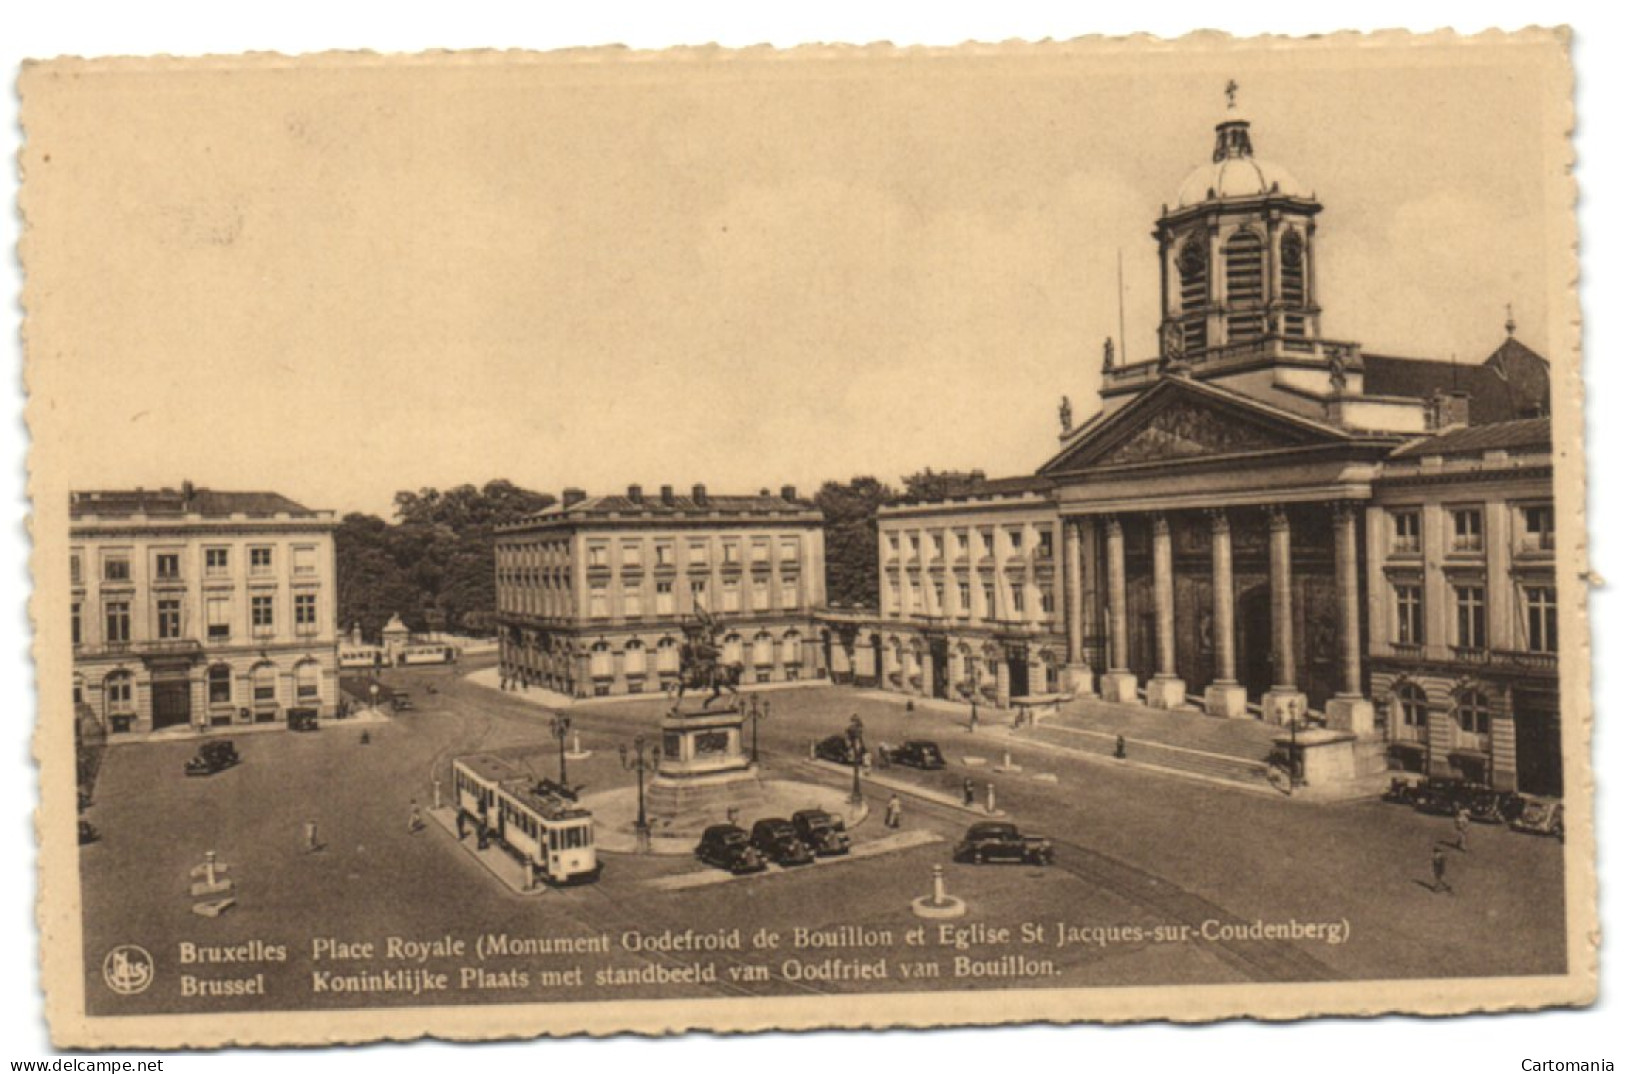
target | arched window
[
  {"x": 762, "y": 648},
  {"x": 602, "y": 661},
  {"x": 1473, "y": 712},
  {"x": 307, "y": 682},
  {"x": 264, "y": 679},
  {"x": 791, "y": 647},
  {"x": 666, "y": 655},
  {"x": 78, "y": 689},
  {"x": 1413, "y": 707},
  {"x": 1244, "y": 285},
  {"x": 220, "y": 684},
  {"x": 637, "y": 659},
  {"x": 1193, "y": 292},
  {"x": 732, "y": 647},
  {"x": 1294, "y": 290}
]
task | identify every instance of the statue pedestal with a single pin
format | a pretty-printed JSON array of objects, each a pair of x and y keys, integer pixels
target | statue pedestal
[{"x": 703, "y": 773}]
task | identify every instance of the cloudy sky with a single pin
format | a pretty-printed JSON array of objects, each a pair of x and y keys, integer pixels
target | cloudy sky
[{"x": 341, "y": 280}]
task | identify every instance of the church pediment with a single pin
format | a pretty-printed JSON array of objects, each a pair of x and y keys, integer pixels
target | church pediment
[{"x": 1179, "y": 421}]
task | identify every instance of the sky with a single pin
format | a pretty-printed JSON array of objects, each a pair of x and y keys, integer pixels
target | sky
[{"x": 340, "y": 281}]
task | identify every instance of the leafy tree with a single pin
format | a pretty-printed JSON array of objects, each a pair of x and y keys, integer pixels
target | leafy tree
[
  {"x": 851, "y": 539},
  {"x": 928, "y": 484}
]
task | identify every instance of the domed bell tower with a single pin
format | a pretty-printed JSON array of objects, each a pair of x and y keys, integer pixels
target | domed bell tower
[{"x": 1237, "y": 253}]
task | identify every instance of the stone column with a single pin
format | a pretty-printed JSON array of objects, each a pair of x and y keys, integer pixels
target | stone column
[
  {"x": 1076, "y": 677},
  {"x": 1285, "y": 701},
  {"x": 1349, "y": 710},
  {"x": 1225, "y": 696},
  {"x": 1118, "y": 684},
  {"x": 1001, "y": 681},
  {"x": 1166, "y": 690}
]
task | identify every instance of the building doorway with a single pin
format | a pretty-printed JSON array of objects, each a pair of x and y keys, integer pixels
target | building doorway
[
  {"x": 1255, "y": 663},
  {"x": 1540, "y": 746},
  {"x": 939, "y": 667},
  {"x": 171, "y": 703},
  {"x": 1016, "y": 659}
]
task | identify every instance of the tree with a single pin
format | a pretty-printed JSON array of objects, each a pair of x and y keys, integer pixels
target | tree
[
  {"x": 928, "y": 484},
  {"x": 851, "y": 539}
]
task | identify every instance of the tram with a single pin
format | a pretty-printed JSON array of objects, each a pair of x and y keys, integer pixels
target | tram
[
  {"x": 551, "y": 837},
  {"x": 428, "y": 654},
  {"x": 360, "y": 656}
]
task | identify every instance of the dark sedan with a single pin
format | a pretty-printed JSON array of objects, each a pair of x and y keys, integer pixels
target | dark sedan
[
  {"x": 823, "y": 833},
  {"x": 726, "y": 846},
  {"x": 775, "y": 838},
  {"x": 918, "y": 754},
  {"x": 1002, "y": 841},
  {"x": 837, "y": 748}
]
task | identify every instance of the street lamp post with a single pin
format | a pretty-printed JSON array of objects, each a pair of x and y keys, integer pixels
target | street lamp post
[
  {"x": 561, "y": 727},
  {"x": 854, "y": 738},
  {"x": 642, "y": 757},
  {"x": 757, "y": 713}
]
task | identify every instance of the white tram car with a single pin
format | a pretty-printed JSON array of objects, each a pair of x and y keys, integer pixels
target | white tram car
[{"x": 551, "y": 837}]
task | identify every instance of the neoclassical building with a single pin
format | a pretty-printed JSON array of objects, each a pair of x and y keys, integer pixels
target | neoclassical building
[
  {"x": 594, "y": 591},
  {"x": 1220, "y": 535},
  {"x": 198, "y": 608}
]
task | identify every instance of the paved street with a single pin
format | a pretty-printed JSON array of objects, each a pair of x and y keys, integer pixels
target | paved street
[{"x": 1135, "y": 850}]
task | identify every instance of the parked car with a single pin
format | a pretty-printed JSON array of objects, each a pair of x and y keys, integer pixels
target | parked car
[
  {"x": 837, "y": 748},
  {"x": 1441, "y": 796},
  {"x": 825, "y": 834},
  {"x": 777, "y": 841},
  {"x": 1540, "y": 818},
  {"x": 1402, "y": 789},
  {"x": 212, "y": 757},
  {"x": 917, "y": 753},
  {"x": 726, "y": 846},
  {"x": 994, "y": 840},
  {"x": 1494, "y": 807},
  {"x": 302, "y": 720},
  {"x": 402, "y": 701}
]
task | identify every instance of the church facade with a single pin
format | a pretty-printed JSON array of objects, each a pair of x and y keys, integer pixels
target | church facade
[{"x": 1257, "y": 516}]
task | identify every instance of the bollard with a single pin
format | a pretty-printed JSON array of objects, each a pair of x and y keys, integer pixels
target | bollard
[
  {"x": 208, "y": 868},
  {"x": 437, "y": 792},
  {"x": 575, "y": 743},
  {"x": 992, "y": 799},
  {"x": 1007, "y": 762},
  {"x": 939, "y": 893}
]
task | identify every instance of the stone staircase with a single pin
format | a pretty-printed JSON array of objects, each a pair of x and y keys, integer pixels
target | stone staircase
[{"x": 1234, "y": 751}]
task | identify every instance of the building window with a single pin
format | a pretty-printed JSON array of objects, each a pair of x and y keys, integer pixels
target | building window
[
  {"x": 636, "y": 660},
  {"x": 964, "y": 599},
  {"x": 262, "y": 615},
  {"x": 76, "y": 573},
  {"x": 1408, "y": 603},
  {"x": 631, "y": 554},
  {"x": 216, "y": 562},
  {"x": 938, "y": 597},
  {"x": 961, "y": 540},
  {"x": 259, "y": 560},
  {"x": 118, "y": 622},
  {"x": 118, "y": 691},
  {"x": 116, "y": 568},
  {"x": 895, "y": 597},
  {"x": 730, "y": 595},
  {"x": 76, "y": 622},
  {"x": 989, "y": 601},
  {"x": 1015, "y": 539},
  {"x": 304, "y": 612},
  {"x": 665, "y": 555},
  {"x": 1018, "y": 599},
  {"x": 1413, "y": 706},
  {"x": 730, "y": 553},
  {"x": 220, "y": 685},
  {"x": 1539, "y": 532},
  {"x": 936, "y": 545},
  {"x": 167, "y": 566},
  {"x": 1407, "y": 532},
  {"x": 1046, "y": 543},
  {"x": 758, "y": 551},
  {"x": 664, "y": 602},
  {"x": 1473, "y": 713},
  {"x": 1046, "y": 600},
  {"x": 1470, "y": 616},
  {"x": 789, "y": 549},
  {"x": 169, "y": 620},
  {"x": 598, "y": 555},
  {"x": 1541, "y": 604},
  {"x": 891, "y": 544},
  {"x": 789, "y": 595},
  {"x": 264, "y": 686},
  {"x": 1468, "y": 530},
  {"x": 696, "y": 591},
  {"x": 307, "y": 682},
  {"x": 219, "y": 616},
  {"x": 1293, "y": 290},
  {"x": 699, "y": 553},
  {"x": 666, "y": 655},
  {"x": 598, "y": 602},
  {"x": 304, "y": 559},
  {"x": 632, "y": 600}
]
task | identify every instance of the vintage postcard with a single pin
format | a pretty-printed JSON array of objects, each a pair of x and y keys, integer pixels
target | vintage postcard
[{"x": 543, "y": 544}]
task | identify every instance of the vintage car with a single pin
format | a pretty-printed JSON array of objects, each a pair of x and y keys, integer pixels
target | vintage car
[
  {"x": 1402, "y": 788},
  {"x": 726, "y": 846},
  {"x": 402, "y": 701},
  {"x": 302, "y": 720},
  {"x": 992, "y": 840},
  {"x": 917, "y": 753},
  {"x": 777, "y": 841},
  {"x": 1442, "y": 796},
  {"x": 1540, "y": 818},
  {"x": 212, "y": 757},
  {"x": 837, "y": 748},
  {"x": 1493, "y": 807},
  {"x": 825, "y": 834}
]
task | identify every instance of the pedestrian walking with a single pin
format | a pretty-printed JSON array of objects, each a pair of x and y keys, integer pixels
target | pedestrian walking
[
  {"x": 310, "y": 837},
  {"x": 894, "y": 812},
  {"x": 1462, "y": 821},
  {"x": 1439, "y": 882},
  {"x": 973, "y": 717},
  {"x": 970, "y": 792},
  {"x": 414, "y": 819}
]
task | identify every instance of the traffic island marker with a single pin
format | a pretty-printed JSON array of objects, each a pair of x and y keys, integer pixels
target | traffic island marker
[
  {"x": 213, "y": 909},
  {"x": 939, "y": 904}
]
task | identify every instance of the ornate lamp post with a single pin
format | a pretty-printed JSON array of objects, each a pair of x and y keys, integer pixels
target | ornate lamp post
[
  {"x": 757, "y": 713},
  {"x": 642, "y": 757},
  {"x": 854, "y": 738},
  {"x": 561, "y": 727}
]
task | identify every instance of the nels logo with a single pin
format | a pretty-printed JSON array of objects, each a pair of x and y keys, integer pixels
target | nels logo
[{"x": 128, "y": 969}]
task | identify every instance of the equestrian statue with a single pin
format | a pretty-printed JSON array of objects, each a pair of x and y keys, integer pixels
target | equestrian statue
[{"x": 702, "y": 665}]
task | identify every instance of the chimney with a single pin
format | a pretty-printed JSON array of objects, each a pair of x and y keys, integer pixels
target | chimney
[
  {"x": 666, "y": 496},
  {"x": 635, "y": 493},
  {"x": 574, "y": 496},
  {"x": 789, "y": 493},
  {"x": 188, "y": 490},
  {"x": 701, "y": 498}
]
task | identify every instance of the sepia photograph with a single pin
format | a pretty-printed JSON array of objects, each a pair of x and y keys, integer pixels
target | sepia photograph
[{"x": 539, "y": 543}]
